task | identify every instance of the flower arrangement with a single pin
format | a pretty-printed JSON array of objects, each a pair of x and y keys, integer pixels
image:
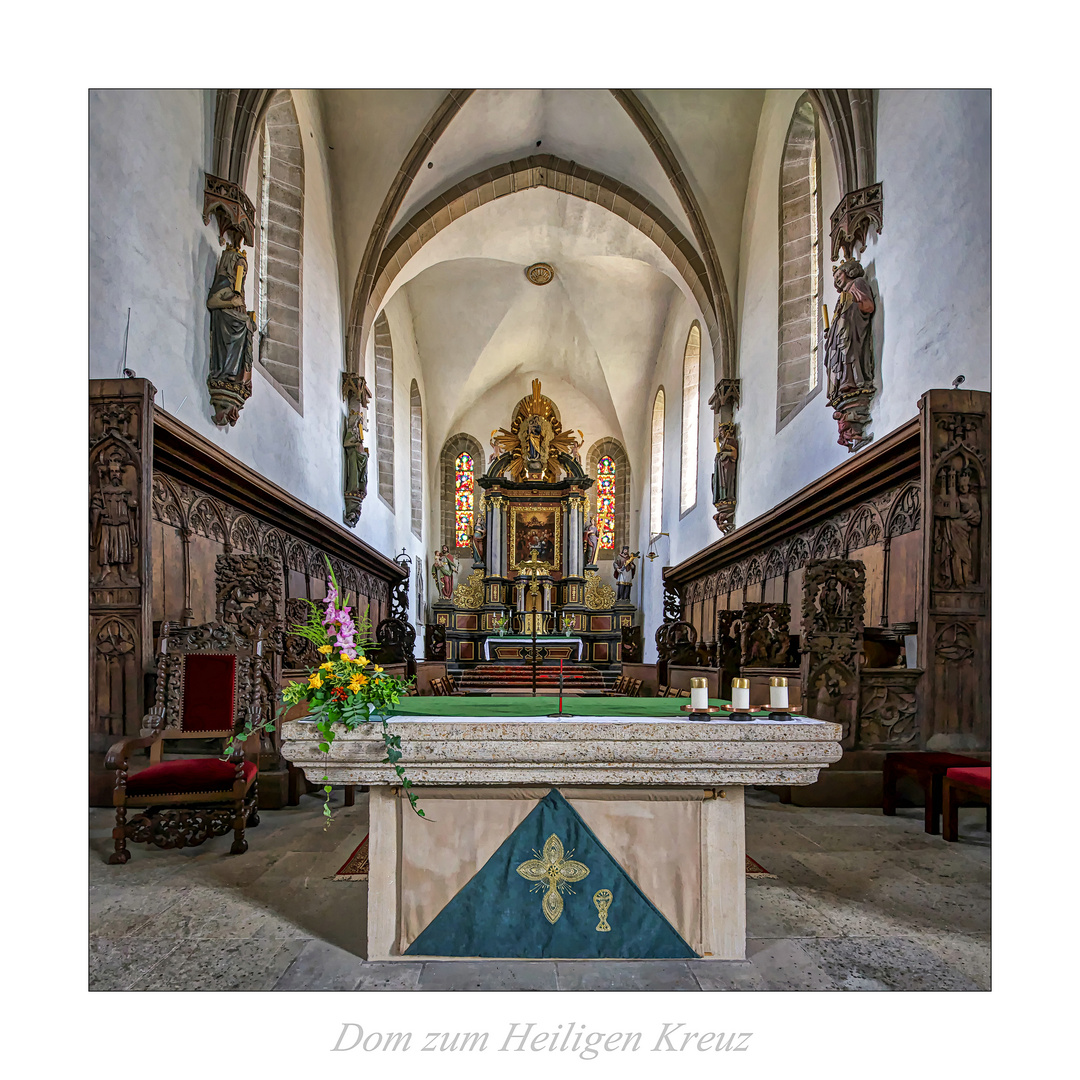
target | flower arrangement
[
  {"x": 499, "y": 622},
  {"x": 347, "y": 688}
]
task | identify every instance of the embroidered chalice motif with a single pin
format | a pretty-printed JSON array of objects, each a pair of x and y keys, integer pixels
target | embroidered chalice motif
[
  {"x": 602, "y": 900},
  {"x": 552, "y": 871}
]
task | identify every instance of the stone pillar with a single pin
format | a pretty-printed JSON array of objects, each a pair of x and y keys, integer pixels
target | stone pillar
[{"x": 834, "y": 598}]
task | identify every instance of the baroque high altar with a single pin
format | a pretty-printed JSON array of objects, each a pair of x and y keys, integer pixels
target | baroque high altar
[{"x": 534, "y": 560}]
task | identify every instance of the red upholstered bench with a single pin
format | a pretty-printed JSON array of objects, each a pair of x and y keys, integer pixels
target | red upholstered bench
[
  {"x": 967, "y": 786},
  {"x": 928, "y": 769}
]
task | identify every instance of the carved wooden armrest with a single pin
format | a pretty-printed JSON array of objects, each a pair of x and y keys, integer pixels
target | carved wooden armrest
[{"x": 117, "y": 757}]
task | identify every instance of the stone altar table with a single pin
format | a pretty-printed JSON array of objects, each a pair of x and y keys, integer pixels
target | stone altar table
[{"x": 662, "y": 792}]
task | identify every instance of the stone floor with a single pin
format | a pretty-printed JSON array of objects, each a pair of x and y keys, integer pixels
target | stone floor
[{"x": 859, "y": 902}]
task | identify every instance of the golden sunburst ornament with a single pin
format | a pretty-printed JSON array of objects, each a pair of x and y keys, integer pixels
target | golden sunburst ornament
[
  {"x": 553, "y": 871},
  {"x": 535, "y": 439}
]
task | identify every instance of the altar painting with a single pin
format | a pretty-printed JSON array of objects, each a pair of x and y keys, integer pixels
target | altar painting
[{"x": 536, "y": 527}]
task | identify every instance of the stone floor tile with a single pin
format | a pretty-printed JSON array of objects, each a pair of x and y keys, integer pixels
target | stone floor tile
[
  {"x": 968, "y": 954},
  {"x": 775, "y": 910},
  {"x": 625, "y": 975},
  {"x": 117, "y": 965},
  {"x": 211, "y": 964},
  {"x": 119, "y": 912},
  {"x": 726, "y": 975},
  {"x": 784, "y": 964},
  {"x": 321, "y": 966},
  {"x": 394, "y": 975},
  {"x": 889, "y": 963},
  {"x": 488, "y": 975}
]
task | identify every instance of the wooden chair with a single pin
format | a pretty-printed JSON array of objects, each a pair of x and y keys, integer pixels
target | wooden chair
[
  {"x": 963, "y": 787},
  {"x": 661, "y": 691},
  {"x": 635, "y": 688},
  {"x": 928, "y": 769},
  {"x": 684, "y": 693},
  {"x": 208, "y": 686}
]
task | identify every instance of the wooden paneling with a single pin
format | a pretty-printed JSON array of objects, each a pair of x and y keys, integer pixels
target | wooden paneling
[
  {"x": 873, "y": 560},
  {"x": 905, "y": 577}
]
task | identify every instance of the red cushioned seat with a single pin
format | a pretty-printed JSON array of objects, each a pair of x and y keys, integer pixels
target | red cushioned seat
[
  {"x": 188, "y": 776},
  {"x": 975, "y": 777}
]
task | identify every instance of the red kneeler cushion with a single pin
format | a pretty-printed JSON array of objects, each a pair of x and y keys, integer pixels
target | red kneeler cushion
[
  {"x": 209, "y": 689},
  {"x": 974, "y": 777},
  {"x": 190, "y": 775}
]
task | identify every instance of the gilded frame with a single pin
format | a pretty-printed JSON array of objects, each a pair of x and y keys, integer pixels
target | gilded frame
[{"x": 520, "y": 508}]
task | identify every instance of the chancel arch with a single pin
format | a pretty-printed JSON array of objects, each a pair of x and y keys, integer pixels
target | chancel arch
[
  {"x": 460, "y": 463},
  {"x": 280, "y": 250},
  {"x": 605, "y": 450}
]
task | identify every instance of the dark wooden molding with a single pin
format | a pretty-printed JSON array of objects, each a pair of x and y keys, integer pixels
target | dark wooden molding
[
  {"x": 884, "y": 464},
  {"x": 182, "y": 453}
]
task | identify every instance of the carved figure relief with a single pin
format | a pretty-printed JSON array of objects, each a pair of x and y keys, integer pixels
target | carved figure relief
[
  {"x": 113, "y": 519},
  {"x": 957, "y": 518},
  {"x": 888, "y": 710},
  {"x": 764, "y": 637},
  {"x": 833, "y": 597},
  {"x": 250, "y": 596},
  {"x": 298, "y": 652}
]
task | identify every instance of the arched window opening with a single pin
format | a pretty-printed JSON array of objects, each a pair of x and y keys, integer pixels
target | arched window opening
[
  {"x": 280, "y": 254},
  {"x": 605, "y": 501},
  {"x": 463, "y": 500},
  {"x": 799, "y": 360},
  {"x": 656, "y": 499},
  {"x": 691, "y": 383},
  {"x": 384, "y": 408},
  {"x": 416, "y": 460},
  {"x": 461, "y": 461}
]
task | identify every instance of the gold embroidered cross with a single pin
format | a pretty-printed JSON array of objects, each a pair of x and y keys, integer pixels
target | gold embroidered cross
[{"x": 552, "y": 870}]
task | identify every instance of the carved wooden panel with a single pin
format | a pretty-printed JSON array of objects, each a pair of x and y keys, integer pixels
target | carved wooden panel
[
  {"x": 956, "y": 557},
  {"x": 889, "y": 709},
  {"x": 120, "y": 470}
]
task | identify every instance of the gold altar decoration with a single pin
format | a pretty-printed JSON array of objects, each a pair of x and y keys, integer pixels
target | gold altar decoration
[
  {"x": 528, "y": 520},
  {"x": 470, "y": 594},
  {"x": 598, "y": 594},
  {"x": 541, "y": 441},
  {"x": 553, "y": 871},
  {"x": 602, "y": 900}
]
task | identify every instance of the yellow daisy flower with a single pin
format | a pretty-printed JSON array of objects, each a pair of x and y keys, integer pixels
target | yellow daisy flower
[
  {"x": 326, "y": 649},
  {"x": 376, "y": 669},
  {"x": 355, "y": 684},
  {"x": 326, "y": 667},
  {"x": 362, "y": 661},
  {"x": 315, "y": 681}
]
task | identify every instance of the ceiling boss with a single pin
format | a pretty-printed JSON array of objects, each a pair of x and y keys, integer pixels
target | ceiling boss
[{"x": 535, "y": 440}]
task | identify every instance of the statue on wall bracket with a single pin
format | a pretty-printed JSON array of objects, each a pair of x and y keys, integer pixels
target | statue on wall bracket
[
  {"x": 849, "y": 354},
  {"x": 232, "y": 326},
  {"x": 724, "y": 401},
  {"x": 355, "y": 391}
]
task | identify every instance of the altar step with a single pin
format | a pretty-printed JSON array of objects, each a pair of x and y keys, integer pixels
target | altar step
[{"x": 491, "y": 678}]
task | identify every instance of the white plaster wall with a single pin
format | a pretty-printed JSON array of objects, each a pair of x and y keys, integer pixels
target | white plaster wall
[
  {"x": 384, "y": 529},
  {"x": 929, "y": 270},
  {"x": 695, "y": 529},
  {"x": 150, "y": 250}
]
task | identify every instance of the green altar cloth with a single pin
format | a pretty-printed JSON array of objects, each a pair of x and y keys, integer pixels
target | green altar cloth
[{"x": 508, "y": 706}]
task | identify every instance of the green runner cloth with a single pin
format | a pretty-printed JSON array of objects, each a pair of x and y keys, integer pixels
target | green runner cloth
[{"x": 512, "y": 705}]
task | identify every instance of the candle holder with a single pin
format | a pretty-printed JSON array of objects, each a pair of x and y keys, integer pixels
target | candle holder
[
  {"x": 778, "y": 715},
  {"x": 739, "y": 715},
  {"x": 699, "y": 714}
]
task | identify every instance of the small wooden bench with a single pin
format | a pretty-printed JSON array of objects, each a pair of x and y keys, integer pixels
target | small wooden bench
[
  {"x": 928, "y": 769},
  {"x": 968, "y": 786}
]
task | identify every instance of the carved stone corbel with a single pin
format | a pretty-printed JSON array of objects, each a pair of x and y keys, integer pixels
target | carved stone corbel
[{"x": 851, "y": 221}]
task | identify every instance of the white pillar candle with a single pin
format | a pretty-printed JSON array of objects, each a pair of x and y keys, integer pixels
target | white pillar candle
[
  {"x": 778, "y": 695},
  {"x": 740, "y": 693},
  {"x": 699, "y": 695}
]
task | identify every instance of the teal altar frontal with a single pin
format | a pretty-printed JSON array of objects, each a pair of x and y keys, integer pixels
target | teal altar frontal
[{"x": 613, "y": 831}]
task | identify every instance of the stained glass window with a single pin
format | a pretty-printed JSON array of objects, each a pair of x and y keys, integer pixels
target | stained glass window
[
  {"x": 463, "y": 500},
  {"x": 605, "y": 501}
]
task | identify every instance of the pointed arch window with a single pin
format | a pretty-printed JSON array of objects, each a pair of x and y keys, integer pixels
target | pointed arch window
[
  {"x": 463, "y": 500},
  {"x": 691, "y": 384},
  {"x": 605, "y": 501},
  {"x": 799, "y": 359},
  {"x": 656, "y": 495}
]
